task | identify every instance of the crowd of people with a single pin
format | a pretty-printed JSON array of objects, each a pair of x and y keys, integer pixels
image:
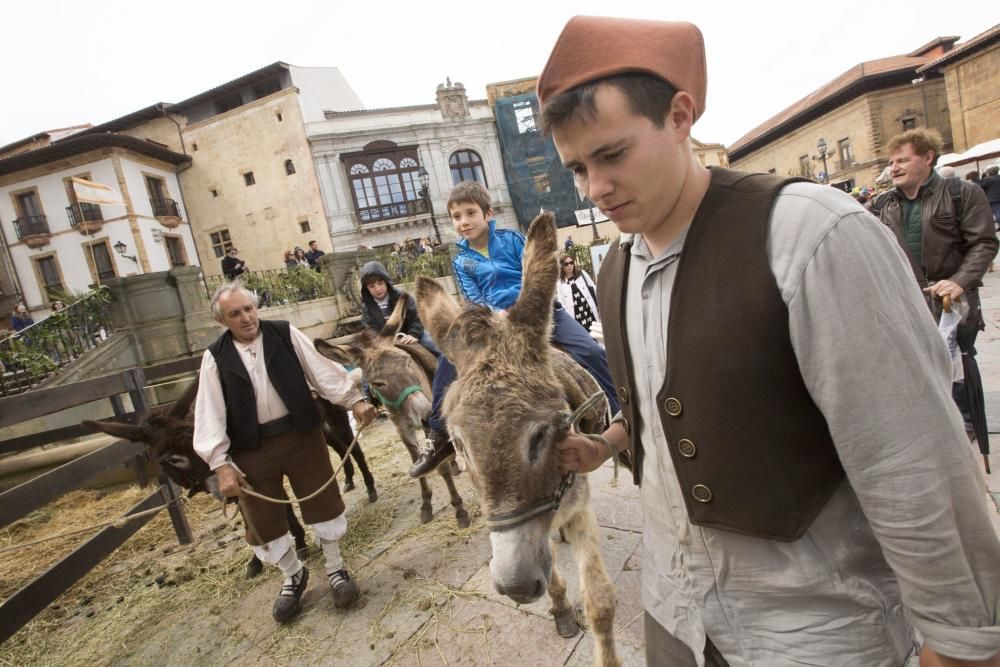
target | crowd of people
[{"x": 413, "y": 248}]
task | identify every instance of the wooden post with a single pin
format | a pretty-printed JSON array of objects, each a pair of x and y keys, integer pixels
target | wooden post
[{"x": 135, "y": 382}]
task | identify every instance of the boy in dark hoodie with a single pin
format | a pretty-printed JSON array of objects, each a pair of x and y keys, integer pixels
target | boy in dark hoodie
[{"x": 378, "y": 298}]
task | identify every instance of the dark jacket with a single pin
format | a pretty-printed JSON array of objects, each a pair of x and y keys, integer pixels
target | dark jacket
[
  {"x": 371, "y": 314},
  {"x": 751, "y": 450},
  {"x": 991, "y": 186},
  {"x": 283, "y": 370},
  {"x": 233, "y": 266},
  {"x": 958, "y": 252},
  {"x": 19, "y": 323},
  {"x": 312, "y": 256}
]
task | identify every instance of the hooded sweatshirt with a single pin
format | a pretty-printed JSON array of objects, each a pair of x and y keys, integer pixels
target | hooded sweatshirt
[{"x": 371, "y": 313}]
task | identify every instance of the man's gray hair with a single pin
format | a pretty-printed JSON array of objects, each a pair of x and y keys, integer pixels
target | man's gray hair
[{"x": 225, "y": 289}]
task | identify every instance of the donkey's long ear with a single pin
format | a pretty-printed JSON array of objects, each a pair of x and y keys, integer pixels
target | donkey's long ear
[
  {"x": 342, "y": 354},
  {"x": 438, "y": 311},
  {"x": 395, "y": 321},
  {"x": 183, "y": 404},
  {"x": 119, "y": 430},
  {"x": 532, "y": 314}
]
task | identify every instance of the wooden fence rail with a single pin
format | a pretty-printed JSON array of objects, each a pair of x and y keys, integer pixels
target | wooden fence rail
[{"x": 25, "y": 498}]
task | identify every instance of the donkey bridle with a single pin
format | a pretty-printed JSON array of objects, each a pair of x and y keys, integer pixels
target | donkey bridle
[
  {"x": 395, "y": 405},
  {"x": 501, "y": 522}
]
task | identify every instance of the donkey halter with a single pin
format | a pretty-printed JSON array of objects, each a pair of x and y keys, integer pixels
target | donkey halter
[
  {"x": 564, "y": 421},
  {"x": 398, "y": 403}
]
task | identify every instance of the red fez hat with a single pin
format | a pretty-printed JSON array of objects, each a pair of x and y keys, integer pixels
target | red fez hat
[{"x": 595, "y": 47}]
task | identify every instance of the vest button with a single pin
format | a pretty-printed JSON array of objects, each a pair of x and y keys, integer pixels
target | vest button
[
  {"x": 626, "y": 426},
  {"x": 622, "y": 395},
  {"x": 672, "y": 406},
  {"x": 701, "y": 493},
  {"x": 687, "y": 448}
]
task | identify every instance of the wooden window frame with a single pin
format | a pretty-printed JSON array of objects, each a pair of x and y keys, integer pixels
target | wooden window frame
[
  {"x": 223, "y": 245},
  {"x": 406, "y": 179},
  {"x": 14, "y": 194},
  {"x": 40, "y": 277},
  {"x": 91, "y": 264},
  {"x": 183, "y": 249},
  {"x": 841, "y": 145},
  {"x": 476, "y": 166},
  {"x": 146, "y": 176}
]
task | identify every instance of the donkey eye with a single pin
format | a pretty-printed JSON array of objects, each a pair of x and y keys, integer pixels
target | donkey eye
[
  {"x": 538, "y": 439},
  {"x": 179, "y": 461}
]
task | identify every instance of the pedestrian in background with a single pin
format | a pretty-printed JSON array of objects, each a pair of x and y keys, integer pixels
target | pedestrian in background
[
  {"x": 232, "y": 265},
  {"x": 577, "y": 292}
]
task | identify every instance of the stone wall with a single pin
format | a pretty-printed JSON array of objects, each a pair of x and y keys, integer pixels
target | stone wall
[
  {"x": 868, "y": 122},
  {"x": 974, "y": 98}
]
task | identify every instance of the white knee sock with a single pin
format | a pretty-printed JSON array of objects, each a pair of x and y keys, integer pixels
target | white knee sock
[
  {"x": 289, "y": 564},
  {"x": 331, "y": 550},
  {"x": 272, "y": 551}
]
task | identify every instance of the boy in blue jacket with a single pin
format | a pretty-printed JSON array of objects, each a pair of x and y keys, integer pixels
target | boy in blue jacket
[{"x": 488, "y": 272}]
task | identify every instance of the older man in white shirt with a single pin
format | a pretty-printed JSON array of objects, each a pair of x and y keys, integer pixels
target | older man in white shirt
[{"x": 256, "y": 423}]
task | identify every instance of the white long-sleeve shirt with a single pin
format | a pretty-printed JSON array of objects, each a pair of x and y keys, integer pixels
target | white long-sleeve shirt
[
  {"x": 327, "y": 377},
  {"x": 905, "y": 539}
]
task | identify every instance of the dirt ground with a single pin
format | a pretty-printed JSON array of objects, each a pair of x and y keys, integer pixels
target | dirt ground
[{"x": 426, "y": 597}]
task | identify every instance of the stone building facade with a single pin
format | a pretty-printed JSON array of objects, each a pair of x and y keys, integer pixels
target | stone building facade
[
  {"x": 855, "y": 114},
  {"x": 251, "y": 183},
  {"x": 972, "y": 78},
  {"x": 369, "y": 164}
]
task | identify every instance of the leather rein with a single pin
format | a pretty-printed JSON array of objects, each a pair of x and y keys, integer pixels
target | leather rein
[{"x": 565, "y": 420}]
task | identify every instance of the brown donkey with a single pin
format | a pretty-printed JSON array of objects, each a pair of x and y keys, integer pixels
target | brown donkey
[
  {"x": 505, "y": 412},
  {"x": 402, "y": 375}
]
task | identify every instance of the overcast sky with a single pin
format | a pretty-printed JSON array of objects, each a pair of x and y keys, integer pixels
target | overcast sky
[{"x": 67, "y": 63}]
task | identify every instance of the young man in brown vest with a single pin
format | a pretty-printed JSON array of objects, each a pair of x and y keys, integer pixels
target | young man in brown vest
[{"x": 809, "y": 495}]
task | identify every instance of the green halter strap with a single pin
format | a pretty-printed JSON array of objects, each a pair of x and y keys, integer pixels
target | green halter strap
[{"x": 395, "y": 405}]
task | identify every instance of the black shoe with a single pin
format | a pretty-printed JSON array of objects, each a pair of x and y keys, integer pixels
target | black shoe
[
  {"x": 286, "y": 605},
  {"x": 430, "y": 459},
  {"x": 345, "y": 589}
]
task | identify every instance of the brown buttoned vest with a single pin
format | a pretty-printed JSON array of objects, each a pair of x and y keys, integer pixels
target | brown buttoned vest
[{"x": 752, "y": 452}]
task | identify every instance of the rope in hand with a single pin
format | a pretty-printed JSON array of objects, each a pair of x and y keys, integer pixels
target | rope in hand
[
  {"x": 570, "y": 421},
  {"x": 248, "y": 490},
  {"x": 120, "y": 522}
]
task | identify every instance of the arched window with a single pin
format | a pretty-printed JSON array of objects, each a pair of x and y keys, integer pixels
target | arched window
[
  {"x": 384, "y": 182},
  {"x": 289, "y": 167},
  {"x": 466, "y": 166}
]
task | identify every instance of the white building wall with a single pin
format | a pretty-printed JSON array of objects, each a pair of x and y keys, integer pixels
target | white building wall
[
  {"x": 134, "y": 173},
  {"x": 323, "y": 89},
  {"x": 68, "y": 243},
  {"x": 437, "y": 139}
]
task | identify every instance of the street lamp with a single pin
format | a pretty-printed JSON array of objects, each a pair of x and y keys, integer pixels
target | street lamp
[
  {"x": 425, "y": 194},
  {"x": 821, "y": 147},
  {"x": 121, "y": 248}
]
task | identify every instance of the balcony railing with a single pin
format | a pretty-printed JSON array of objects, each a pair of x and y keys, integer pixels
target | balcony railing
[
  {"x": 31, "y": 225},
  {"x": 165, "y": 208},
  {"x": 390, "y": 211},
  {"x": 84, "y": 213}
]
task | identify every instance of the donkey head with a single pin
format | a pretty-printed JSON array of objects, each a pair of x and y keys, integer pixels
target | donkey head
[
  {"x": 391, "y": 370},
  {"x": 503, "y": 410},
  {"x": 169, "y": 437}
]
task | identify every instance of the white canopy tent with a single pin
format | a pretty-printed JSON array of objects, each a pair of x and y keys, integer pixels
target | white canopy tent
[{"x": 982, "y": 155}]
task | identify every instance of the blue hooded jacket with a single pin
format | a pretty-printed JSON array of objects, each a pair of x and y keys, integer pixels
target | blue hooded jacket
[{"x": 493, "y": 281}]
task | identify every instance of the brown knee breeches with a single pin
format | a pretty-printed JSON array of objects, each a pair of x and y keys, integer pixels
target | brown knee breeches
[{"x": 305, "y": 460}]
